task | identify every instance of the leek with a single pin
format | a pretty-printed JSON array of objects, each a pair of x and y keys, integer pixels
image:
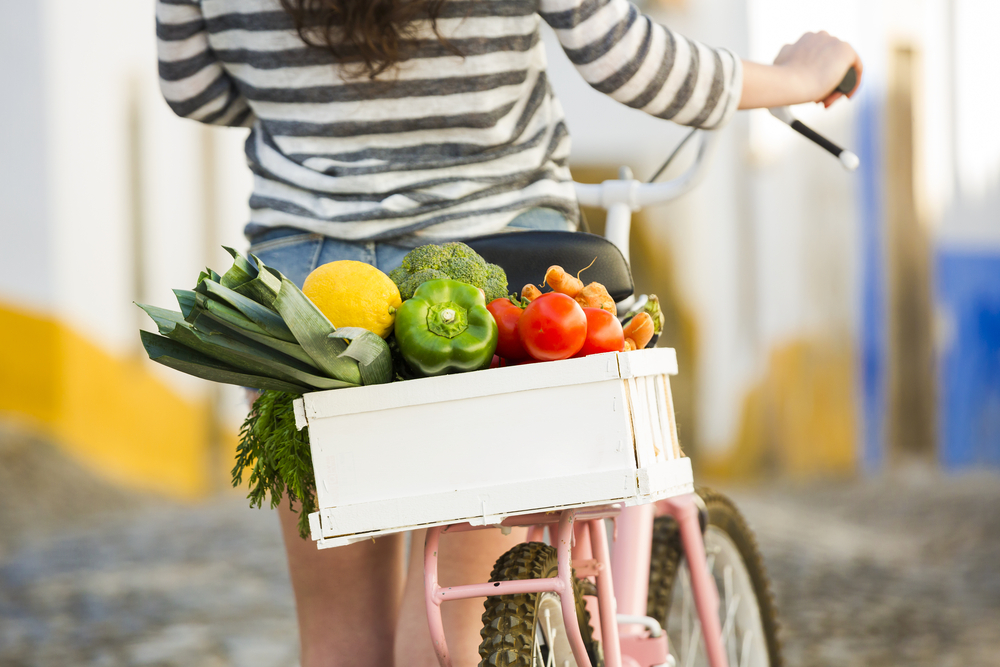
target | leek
[{"x": 174, "y": 355}]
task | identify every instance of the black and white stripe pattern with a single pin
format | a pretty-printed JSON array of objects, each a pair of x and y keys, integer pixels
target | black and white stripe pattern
[{"x": 442, "y": 145}]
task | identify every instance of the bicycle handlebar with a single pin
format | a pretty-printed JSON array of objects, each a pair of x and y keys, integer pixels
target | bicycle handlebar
[
  {"x": 631, "y": 193},
  {"x": 848, "y": 159},
  {"x": 636, "y": 195},
  {"x": 623, "y": 196}
]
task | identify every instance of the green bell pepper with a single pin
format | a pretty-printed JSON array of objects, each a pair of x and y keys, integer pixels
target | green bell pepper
[{"x": 446, "y": 328}]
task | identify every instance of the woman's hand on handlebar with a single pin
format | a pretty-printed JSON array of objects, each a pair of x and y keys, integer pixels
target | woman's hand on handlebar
[{"x": 807, "y": 71}]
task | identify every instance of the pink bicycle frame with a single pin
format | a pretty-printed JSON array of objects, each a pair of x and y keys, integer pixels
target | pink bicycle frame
[{"x": 622, "y": 585}]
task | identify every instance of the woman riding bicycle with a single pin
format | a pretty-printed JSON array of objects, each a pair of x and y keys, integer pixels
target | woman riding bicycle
[{"x": 380, "y": 125}]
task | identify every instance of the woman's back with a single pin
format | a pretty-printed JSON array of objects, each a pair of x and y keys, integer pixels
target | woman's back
[{"x": 456, "y": 139}]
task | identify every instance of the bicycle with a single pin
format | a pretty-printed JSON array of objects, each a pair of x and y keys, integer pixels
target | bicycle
[{"x": 675, "y": 549}]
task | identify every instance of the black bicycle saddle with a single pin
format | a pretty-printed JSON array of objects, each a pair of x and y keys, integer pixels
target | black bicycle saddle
[{"x": 525, "y": 256}]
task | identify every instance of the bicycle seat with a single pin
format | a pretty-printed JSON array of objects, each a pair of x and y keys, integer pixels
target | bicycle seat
[{"x": 525, "y": 256}]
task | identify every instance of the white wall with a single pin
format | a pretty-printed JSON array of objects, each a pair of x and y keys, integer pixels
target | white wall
[
  {"x": 970, "y": 217},
  {"x": 85, "y": 75},
  {"x": 25, "y": 264}
]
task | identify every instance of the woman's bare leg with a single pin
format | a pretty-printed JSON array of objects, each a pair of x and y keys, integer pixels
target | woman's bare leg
[
  {"x": 347, "y": 599},
  {"x": 464, "y": 558}
]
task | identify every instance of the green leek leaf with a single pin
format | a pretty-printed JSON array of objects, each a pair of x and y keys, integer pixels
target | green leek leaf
[
  {"x": 161, "y": 316},
  {"x": 241, "y": 271},
  {"x": 370, "y": 351},
  {"x": 312, "y": 330},
  {"x": 186, "y": 299},
  {"x": 235, "y": 323},
  {"x": 174, "y": 355},
  {"x": 250, "y": 358},
  {"x": 208, "y": 274},
  {"x": 293, "y": 350},
  {"x": 268, "y": 320},
  {"x": 349, "y": 333},
  {"x": 244, "y": 356},
  {"x": 263, "y": 288},
  {"x": 224, "y": 314}
]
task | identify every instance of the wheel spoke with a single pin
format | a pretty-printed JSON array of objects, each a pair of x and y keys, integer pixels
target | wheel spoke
[
  {"x": 745, "y": 655},
  {"x": 727, "y": 586},
  {"x": 727, "y": 581},
  {"x": 743, "y": 615},
  {"x": 730, "y": 621},
  {"x": 550, "y": 639},
  {"x": 694, "y": 643},
  {"x": 728, "y": 633},
  {"x": 536, "y": 651}
]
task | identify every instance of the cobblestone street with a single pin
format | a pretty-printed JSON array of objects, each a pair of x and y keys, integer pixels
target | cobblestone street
[
  {"x": 884, "y": 574},
  {"x": 865, "y": 574}
]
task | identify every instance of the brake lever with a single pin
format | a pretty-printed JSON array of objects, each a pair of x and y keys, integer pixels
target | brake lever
[{"x": 848, "y": 159}]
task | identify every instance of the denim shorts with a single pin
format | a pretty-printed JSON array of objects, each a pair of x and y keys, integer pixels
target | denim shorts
[{"x": 296, "y": 253}]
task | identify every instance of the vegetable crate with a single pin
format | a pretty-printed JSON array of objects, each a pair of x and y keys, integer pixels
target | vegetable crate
[{"x": 478, "y": 447}]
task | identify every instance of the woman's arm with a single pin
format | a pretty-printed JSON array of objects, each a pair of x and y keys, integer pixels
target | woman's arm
[
  {"x": 634, "y": 60},
  {"x": 191, "y": 78},
  {"x": 806, "y": 71}
]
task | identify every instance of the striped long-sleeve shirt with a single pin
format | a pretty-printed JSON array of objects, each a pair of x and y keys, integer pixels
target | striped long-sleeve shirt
[{"x": 442, "y": 145}]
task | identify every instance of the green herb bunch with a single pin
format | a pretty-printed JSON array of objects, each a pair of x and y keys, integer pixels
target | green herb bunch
[{"x": 278, "y": 457}]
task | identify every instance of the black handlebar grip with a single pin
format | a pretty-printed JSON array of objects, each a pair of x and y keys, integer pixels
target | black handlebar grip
[{"x": 847, "y": 84}]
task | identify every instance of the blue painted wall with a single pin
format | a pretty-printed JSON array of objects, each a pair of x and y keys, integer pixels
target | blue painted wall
[
  {"x": 873, "y": 335},
  {"x": 968, "y": 290}
]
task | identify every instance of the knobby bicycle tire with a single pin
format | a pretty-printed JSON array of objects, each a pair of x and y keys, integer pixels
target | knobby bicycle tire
[
  {"x": 668, "y": 555},
  {"x": 509, "y": 621}
]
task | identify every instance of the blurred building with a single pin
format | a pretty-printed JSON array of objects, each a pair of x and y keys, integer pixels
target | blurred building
[
  {"x": 826, "y": 322},
  {"x": 107, "y": 199}
]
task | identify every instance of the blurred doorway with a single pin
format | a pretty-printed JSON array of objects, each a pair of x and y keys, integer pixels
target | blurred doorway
[{"x": 911, "y": 381}]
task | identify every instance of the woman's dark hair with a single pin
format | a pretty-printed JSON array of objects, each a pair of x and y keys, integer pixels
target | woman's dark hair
[{"x": 377, "y": 30}]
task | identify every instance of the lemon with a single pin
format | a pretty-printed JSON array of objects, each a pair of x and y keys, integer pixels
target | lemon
[{"x": 354, "y": 294}]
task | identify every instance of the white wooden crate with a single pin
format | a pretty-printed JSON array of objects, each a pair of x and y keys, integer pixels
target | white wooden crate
[{"x": 482, "y": 446}]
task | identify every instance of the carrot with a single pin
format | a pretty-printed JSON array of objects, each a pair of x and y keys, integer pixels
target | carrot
[
  {"x": 629, "y": 345},
  {"x": 560, "y": 281},
  {"x": 530, "y": 292},
  {"x": 595, "y": 295},
  {"x": 639, "y": 330}
]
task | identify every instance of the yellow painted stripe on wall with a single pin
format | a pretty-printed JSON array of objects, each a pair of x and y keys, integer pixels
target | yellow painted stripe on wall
[
  {"x": 110, "y": 413},
  {"x": 29, "y": 357},
  {"x": 800, "y": 420}
]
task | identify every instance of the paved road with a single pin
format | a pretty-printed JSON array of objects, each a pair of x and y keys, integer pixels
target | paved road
[
  {"x": 193, "y": 586},
  {"x": 865, "y": 574},
  {"x": 903, "y": 573}
]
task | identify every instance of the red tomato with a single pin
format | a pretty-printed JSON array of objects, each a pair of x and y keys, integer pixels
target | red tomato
[
  {"x": 507, "y": 314},
  {"x": 604, "y": 333},
  {"x": 552, "y": 327}
]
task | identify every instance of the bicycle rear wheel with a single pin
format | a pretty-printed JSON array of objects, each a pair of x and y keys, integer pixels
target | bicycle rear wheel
[
  {"x": 529, "y": 630},
  {"x": 746, "y": 607}
]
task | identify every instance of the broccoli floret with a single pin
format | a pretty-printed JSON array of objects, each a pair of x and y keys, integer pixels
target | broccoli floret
[
  {"x": 469, "y": 270},
  {"x": 450, "y": 260},
  {"x": 496, "y": 283},
  {"x": 409, "y": 282},
  {"x": 424, "y": 257}
]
